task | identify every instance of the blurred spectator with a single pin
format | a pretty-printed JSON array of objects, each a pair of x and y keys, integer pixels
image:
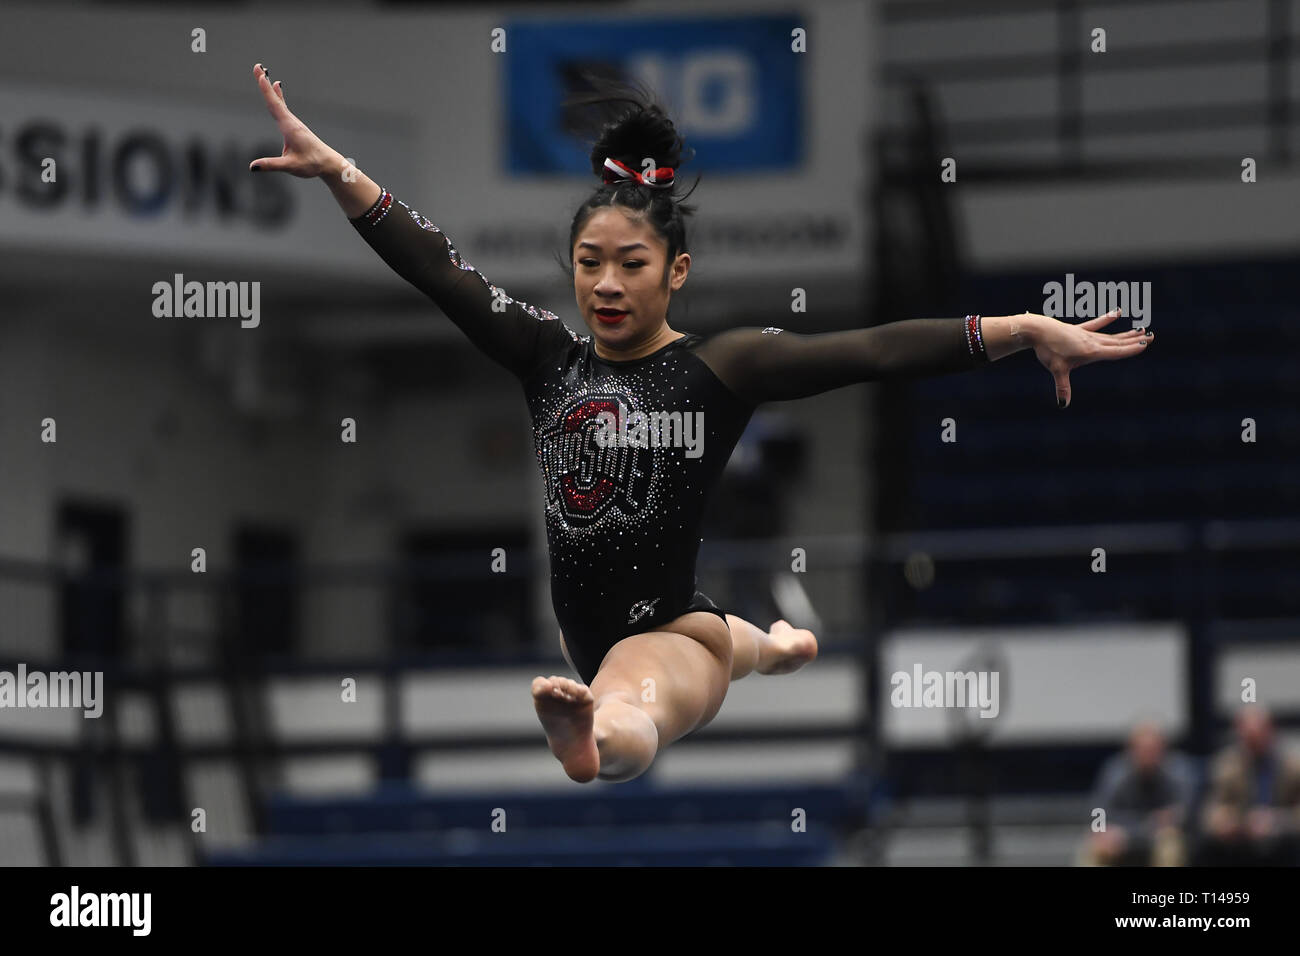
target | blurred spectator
[
  {"x": 1147, "y": 794},
  {"x": 1252, "y": 813}
]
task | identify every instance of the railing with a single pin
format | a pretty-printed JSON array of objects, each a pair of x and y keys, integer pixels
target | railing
[{"x": 1066, "y": 132}]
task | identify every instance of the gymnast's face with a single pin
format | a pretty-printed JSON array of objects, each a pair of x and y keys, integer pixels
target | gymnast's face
[{"x": 620, "y": 268}]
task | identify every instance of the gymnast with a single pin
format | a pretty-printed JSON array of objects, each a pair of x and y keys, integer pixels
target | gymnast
[{"x": 654, "y": 655}]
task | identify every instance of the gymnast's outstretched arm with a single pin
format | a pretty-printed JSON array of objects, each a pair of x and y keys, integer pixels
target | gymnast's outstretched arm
[
  {"x": 777, "y": 365},
  {"x": 514, "y": 334},
  {"x": 517, "y": 335}
]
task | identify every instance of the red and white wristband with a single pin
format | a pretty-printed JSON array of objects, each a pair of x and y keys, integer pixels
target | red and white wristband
[
  {"x": 975, "y": 337},
  {"x": 379, "y": 210}
]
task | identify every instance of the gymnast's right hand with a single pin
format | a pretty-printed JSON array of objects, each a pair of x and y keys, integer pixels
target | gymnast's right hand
[{"x": 304, "y": 154}]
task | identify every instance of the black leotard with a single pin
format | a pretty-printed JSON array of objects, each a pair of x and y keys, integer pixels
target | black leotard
[{"x": 623, "y": 517}]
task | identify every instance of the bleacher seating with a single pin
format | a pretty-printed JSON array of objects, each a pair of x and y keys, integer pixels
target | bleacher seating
[
  {"x": 629, "y": 824},
  {"x": 1020, "y": 462}
]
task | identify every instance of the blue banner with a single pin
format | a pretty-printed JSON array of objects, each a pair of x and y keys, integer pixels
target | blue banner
[{"x": 733, "y": 86}]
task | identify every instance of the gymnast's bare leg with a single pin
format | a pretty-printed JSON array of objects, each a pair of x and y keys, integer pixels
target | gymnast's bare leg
[
  {"x": 780, "y": 650},
  {"x": 657, "y": 687}
]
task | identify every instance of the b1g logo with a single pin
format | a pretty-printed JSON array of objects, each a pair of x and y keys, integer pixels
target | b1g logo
[{"x": 586, "y": 477}]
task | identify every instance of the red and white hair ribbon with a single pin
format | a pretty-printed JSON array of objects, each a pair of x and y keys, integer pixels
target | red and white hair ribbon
[{"x": 616, "y": 172}]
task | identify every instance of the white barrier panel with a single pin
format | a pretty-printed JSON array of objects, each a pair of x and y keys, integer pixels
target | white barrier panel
[
  {"x": 1054, "y": 685},
  {"x": 1273, "y": 669},
  {"x": 346, "y": 708}
]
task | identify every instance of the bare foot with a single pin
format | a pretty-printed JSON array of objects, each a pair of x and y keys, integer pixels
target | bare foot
[
  {"x": 566, "y": 710},
  {"x": 786, "y": 650}
]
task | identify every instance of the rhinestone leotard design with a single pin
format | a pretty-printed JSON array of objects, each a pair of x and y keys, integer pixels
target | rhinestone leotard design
[{"x": 623, "y": 516}]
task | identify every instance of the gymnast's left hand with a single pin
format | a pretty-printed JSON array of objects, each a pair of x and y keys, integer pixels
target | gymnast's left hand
[{"x": 1062, "y": 347}]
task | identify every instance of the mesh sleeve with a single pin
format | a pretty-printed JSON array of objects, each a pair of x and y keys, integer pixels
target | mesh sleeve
[
  {"x": 772, "y": 365},
  {"x": 514, "y": 334}
]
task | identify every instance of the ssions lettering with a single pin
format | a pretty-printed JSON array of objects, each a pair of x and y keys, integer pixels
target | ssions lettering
[{"x": 583, "y": 479}]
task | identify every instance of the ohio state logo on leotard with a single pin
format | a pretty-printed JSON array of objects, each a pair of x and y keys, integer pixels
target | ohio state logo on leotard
[{"x": 584, "y": 479}]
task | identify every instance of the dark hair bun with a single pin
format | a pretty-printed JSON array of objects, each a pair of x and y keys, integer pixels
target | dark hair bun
[
  {"x": 634, "y": 126},
  {"x": 630, "y": 126},
  {"x": 641, "y": 134}
]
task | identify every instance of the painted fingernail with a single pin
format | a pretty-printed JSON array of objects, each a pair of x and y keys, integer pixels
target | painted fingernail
[
  {"x": 1060, "y": 402},
  {"x": 257, "y": 169}
]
